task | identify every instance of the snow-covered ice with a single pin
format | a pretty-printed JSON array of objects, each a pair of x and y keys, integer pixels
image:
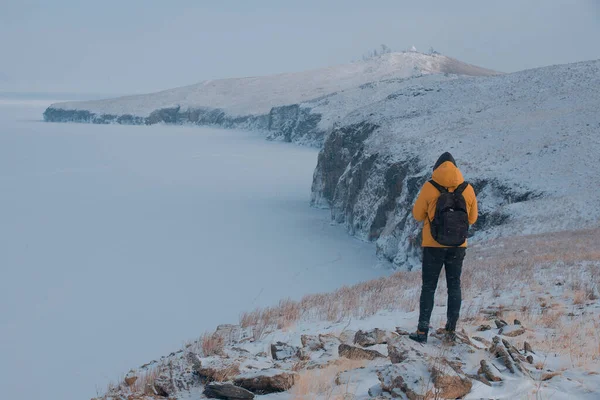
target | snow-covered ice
[{"x": 118, "y": 242}]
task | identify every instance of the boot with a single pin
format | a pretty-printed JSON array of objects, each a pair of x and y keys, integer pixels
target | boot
[{"x": 419, "y": 336}]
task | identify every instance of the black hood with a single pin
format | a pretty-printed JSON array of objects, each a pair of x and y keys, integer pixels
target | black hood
[{"x": 443, "y": 158}]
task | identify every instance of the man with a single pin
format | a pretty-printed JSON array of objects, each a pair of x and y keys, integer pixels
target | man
[{"x": 449, "y": 225}]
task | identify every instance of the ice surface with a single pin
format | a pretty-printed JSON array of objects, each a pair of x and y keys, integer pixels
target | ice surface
[{"x": 118, "y": 242}]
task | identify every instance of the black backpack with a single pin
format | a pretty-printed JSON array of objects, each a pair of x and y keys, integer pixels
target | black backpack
[{"x": 450, "y": 225}]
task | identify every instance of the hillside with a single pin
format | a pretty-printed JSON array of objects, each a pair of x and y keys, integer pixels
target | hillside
[
  {"x": 267, "y": 103},
  {"x": 527, "y": 141}
]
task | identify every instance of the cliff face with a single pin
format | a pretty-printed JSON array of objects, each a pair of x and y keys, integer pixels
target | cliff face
[
  {"x": 287, "y": 123},
  {"x": 372, "y": 194}
]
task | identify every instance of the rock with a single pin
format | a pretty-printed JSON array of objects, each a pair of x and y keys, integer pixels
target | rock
[
  {"x": 517, "y": 322},
  {"x": 303, "y": 354},
  {"x": 527, "y": 348},
  {"x": 311, "y": 342},
  {"x": 487, "y": 372},
  {"x": 219, "y": 370},
  {"x": 282, "y": 351},
  {"x": 529, "y": 359},
  {"x": 400, "y": 350},
  {"x": 500, "y": 323},
  {"x": 372, "y": 337},
  {"x": 512, "y": 331},
  {"x": 229, "y": 333},
  {"x": 450, "y": 385},
  {"x": 227, "y": 391},
  {"x": 485, "y": 342},
  {"x": 546, "y": 376},
  {"x": 513, "y": 351},
  {"x": 483, "y": 328},
  {"x": 130, "y": 380},
  {"x": 347, "y": 336},
  {"x": 265, "y": 382},
  {"x": 356, "y": 353},
  {"x": 330, "y": 344},
  {"x": 414, "y": 380},
  {"x": 479, "y": 378},
  {"x": 375, "y": 391},
  {"x": 194, "y": 360},
  {"x": 400, "y": 381},
  {"x": 500, "y": 352},
  {"x": 164, "y": 386}
]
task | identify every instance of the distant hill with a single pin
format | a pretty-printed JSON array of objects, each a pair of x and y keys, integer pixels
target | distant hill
[{"x": 250, "y": 102}]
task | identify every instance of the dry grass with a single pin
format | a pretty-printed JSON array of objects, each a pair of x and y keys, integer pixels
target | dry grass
[
  {"x": 145, "y": 382},
  {"x": 529, "y": 266},
  {"x": 212, "y": 344}
]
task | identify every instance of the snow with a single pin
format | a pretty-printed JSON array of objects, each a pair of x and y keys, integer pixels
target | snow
[
  {"x": 257, "y": 95},
  {"x": 120, "y": 242}
]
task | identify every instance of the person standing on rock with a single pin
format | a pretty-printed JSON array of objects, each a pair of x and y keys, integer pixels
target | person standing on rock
[{"x": 447, "y": 205}]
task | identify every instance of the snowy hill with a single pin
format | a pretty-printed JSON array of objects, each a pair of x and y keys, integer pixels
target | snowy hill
[
  {"x": 528, "y": 142},
  {"x": 253, "y": 102}
]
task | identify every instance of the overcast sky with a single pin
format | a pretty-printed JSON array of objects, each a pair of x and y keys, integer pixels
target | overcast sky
[{"x": 135, "y": 46}]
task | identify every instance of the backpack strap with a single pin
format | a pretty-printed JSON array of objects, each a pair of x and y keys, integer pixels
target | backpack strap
[
  {"x": 461, "y": 188},
  {"x": 439, "y": 187}
]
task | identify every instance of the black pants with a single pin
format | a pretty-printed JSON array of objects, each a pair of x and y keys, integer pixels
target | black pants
[{"x": 433, "y": 261}]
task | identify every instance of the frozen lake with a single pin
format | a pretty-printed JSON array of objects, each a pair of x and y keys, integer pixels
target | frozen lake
[{"x": 118, "y": 243}]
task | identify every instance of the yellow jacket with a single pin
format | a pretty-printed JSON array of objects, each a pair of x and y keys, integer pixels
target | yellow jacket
[{"x": 449, "y": 176}]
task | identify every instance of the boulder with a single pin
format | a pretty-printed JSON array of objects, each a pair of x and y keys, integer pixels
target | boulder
[
  {"x": 483, "y": 328},
  {"x": 356, "y": 353},
  {"x": 372, "y": 337},
  {"x": 226, "y": 391},
  {"x": 265, "y": 382}
]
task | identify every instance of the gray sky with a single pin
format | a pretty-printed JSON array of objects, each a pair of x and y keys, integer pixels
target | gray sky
[{"x": 135, "y": 46}]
